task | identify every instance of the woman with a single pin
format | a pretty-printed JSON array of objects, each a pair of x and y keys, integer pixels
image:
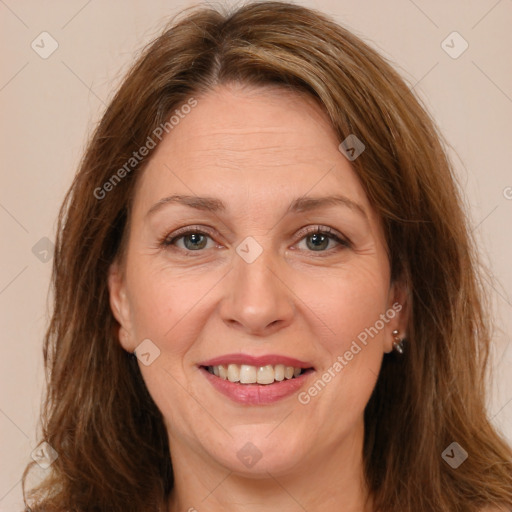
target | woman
[{"x": 263, "y": 215}]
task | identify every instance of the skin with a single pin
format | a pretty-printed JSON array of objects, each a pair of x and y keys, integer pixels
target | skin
[{"x": 257, "y": 149}]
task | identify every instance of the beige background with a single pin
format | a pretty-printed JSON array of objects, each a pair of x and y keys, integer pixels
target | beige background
[{"x": 49, "y": 106}]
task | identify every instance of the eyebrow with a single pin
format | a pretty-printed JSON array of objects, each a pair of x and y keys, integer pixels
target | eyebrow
[{"x": 299, "y": 205}]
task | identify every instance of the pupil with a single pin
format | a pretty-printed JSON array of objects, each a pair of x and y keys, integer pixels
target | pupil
[
  {"x": 318, "y": 237},
  {"x": 194, "y": 239}
]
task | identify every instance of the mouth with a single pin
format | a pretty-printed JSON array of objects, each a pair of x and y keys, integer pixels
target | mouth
[
  {"x": 248, "y": 374},
  {"x": 250, "y": 380}
]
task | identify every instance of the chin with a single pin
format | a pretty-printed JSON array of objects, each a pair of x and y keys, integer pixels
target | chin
[{"x": 255, "y": 453}]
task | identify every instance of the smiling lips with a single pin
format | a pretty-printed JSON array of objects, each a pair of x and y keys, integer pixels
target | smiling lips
[{"x": 256, "y": 380}]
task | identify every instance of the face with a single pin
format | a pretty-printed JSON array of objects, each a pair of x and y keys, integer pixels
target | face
[{"x": 254, "y": 252}]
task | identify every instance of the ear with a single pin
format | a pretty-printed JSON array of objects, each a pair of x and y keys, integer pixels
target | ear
[
  {"x": 397, "y": 312},
  {"x": 120, "y": 306}
]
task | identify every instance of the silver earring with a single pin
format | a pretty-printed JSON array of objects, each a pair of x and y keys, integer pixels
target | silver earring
[{"x": 398, "y": 343}]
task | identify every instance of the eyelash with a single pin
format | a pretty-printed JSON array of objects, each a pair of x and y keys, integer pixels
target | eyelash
[{"x": 169, "y": 240}]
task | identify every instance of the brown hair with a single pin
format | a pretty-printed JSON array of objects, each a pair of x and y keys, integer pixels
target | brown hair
[{"x": 98, "y": 415}]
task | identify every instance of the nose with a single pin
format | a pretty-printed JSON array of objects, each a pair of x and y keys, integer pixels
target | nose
[{"x": 257, "y": 299}]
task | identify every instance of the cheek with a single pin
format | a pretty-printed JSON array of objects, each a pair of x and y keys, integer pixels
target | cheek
[
  {"x": 168, "y": 308},
  {"x": 348, "y": 314},
  {"x": 164, "y": 300},
  {"x": 348, "y": 303}
]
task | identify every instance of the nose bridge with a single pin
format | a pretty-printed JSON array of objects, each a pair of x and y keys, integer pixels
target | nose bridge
[{"x": 258, "y": 300}]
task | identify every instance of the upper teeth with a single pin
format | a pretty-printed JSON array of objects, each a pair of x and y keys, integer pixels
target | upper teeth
[{"x": 247, "y": 374}]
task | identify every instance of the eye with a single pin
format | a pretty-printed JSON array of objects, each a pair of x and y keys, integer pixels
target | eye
[
  {"x": 189, "y": 239},
  {"x": 321, "y": 239}
]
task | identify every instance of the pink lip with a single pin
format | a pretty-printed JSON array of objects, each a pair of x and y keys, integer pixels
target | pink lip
[
  {"x": 272, "y": 359},
  {"x": 255, "y": 394}
]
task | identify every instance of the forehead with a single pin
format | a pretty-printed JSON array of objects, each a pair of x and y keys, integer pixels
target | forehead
[{"x": 239, "y": 143}]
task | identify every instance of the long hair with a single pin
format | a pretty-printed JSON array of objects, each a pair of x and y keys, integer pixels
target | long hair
[{"x": 112, "y": 445}]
